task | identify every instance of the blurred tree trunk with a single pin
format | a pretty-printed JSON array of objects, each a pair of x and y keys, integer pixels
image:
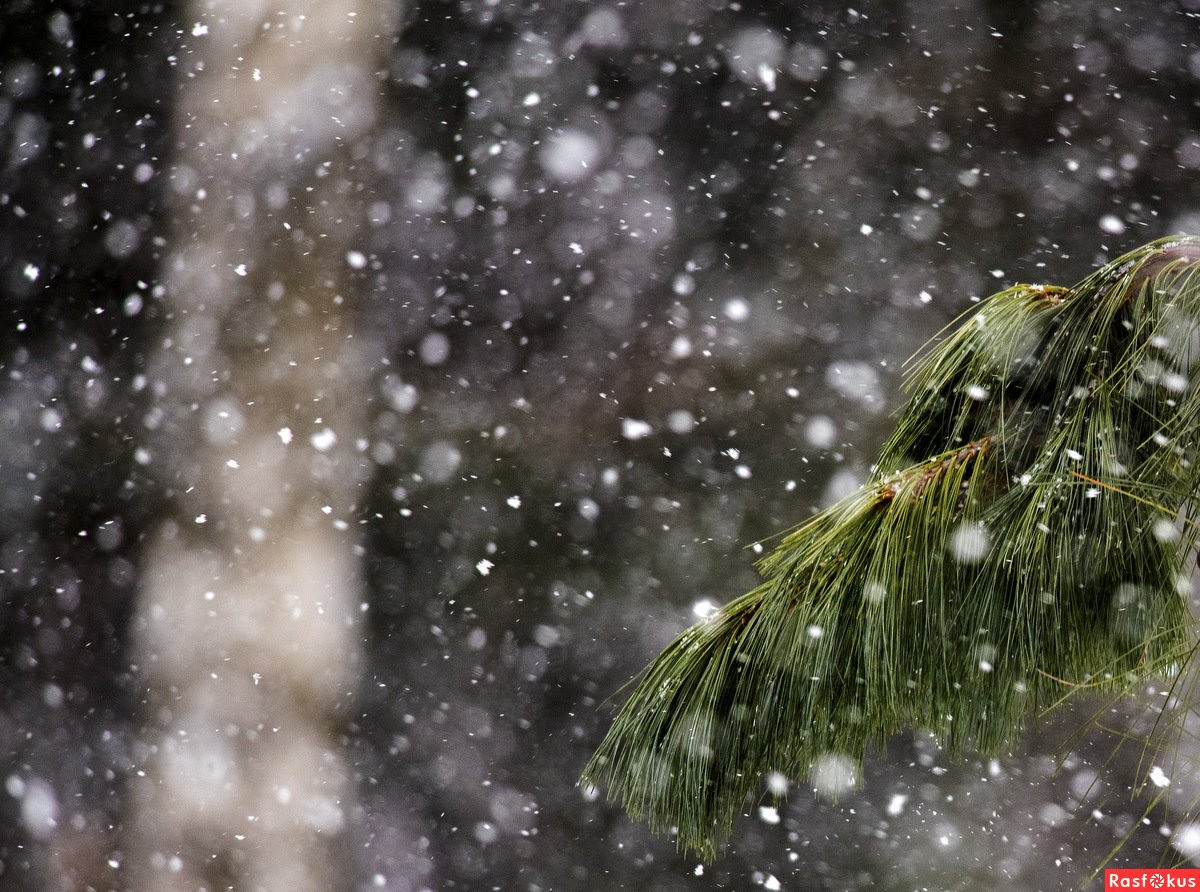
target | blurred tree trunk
[{"x": 246, "y": 633}]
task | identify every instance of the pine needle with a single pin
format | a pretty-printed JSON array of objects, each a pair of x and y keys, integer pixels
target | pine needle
[{"x": 971, "y": 578}]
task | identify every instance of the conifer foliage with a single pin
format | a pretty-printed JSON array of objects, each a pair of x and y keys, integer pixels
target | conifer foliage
[{"x": 1026, "y": 529}]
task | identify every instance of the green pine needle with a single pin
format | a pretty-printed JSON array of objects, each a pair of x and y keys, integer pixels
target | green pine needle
[{"x": 1016, "y": 539}]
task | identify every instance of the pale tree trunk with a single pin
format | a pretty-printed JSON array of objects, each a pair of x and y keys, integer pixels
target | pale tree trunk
[{"x": 246, "y": 635}]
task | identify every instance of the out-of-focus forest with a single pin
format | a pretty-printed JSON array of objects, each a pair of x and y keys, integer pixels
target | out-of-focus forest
[{"x": 383, "y": 384}]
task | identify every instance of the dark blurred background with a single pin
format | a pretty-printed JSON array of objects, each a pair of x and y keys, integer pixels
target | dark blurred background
[{"x": 644, "y": 276}]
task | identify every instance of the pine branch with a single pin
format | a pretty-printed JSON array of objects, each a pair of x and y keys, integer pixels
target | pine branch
[{"x": 1017, "y": 535}]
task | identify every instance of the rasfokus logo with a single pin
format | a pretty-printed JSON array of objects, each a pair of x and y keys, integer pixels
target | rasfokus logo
[{"x": 1151, "y": 878}]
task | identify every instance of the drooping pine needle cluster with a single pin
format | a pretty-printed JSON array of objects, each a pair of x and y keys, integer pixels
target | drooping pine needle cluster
[{"x": 1026, "y": 528}]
